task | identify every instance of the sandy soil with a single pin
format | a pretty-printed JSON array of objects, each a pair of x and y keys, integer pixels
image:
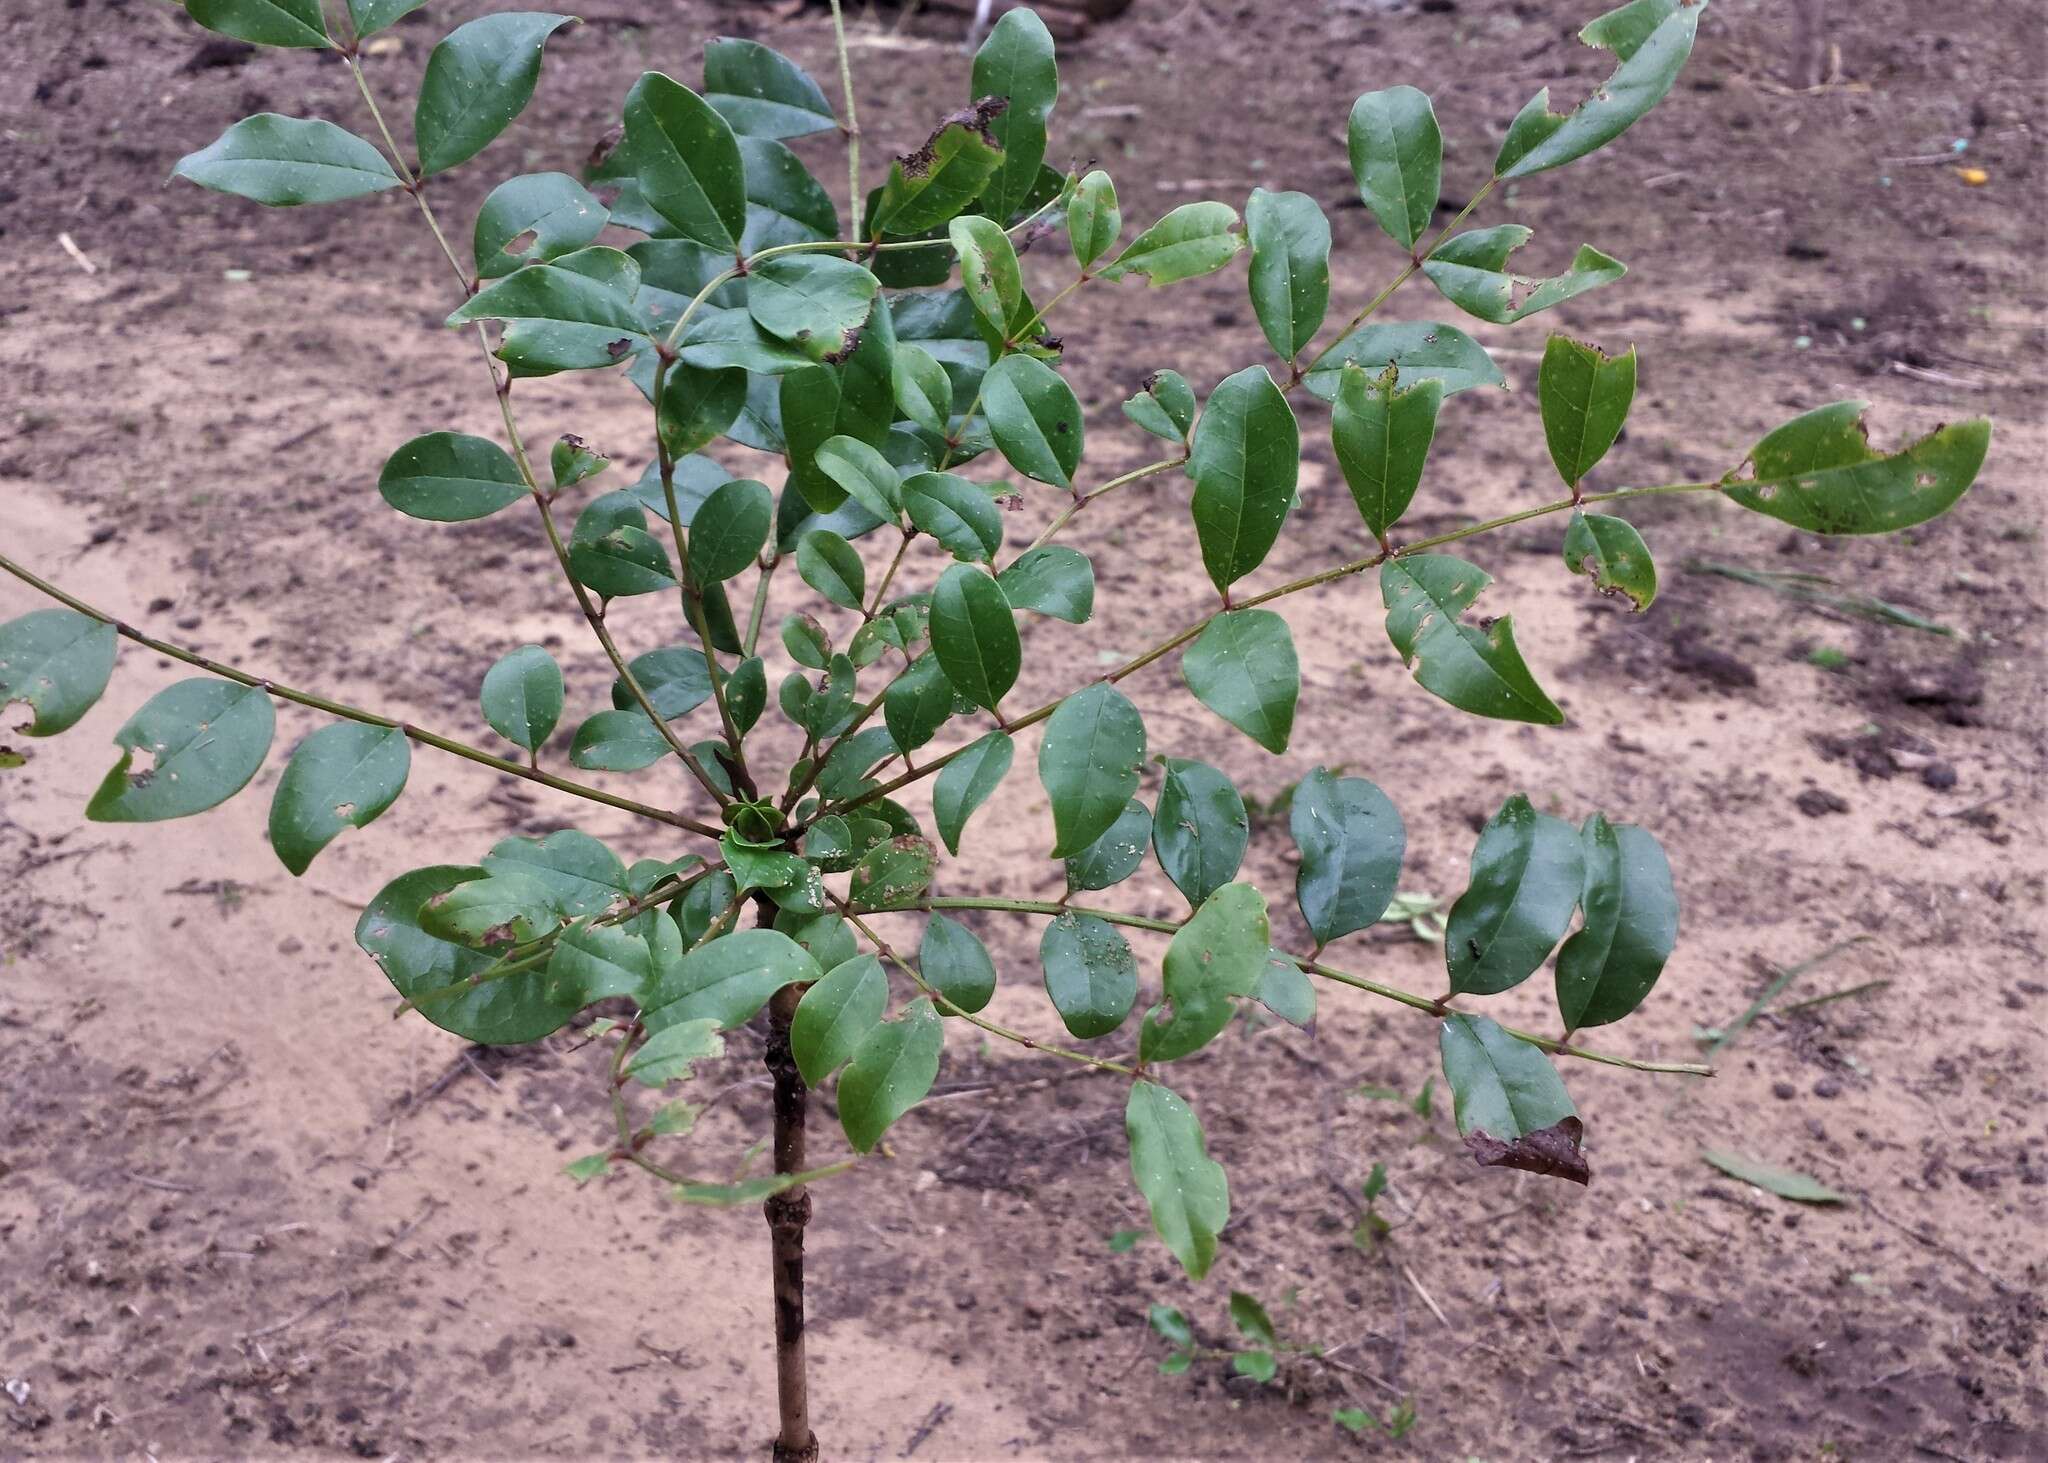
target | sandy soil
[{"x": 244, "y": 1212}]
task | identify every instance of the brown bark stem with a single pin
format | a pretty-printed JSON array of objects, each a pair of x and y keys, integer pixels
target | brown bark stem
[{"x": 788, "y": 1213}]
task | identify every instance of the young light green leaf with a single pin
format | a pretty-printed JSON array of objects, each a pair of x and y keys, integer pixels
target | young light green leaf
[
  {"x": 1091, "y": 975},
  {"x": 728, "y": 980},
  {"x": 892, "y": 875},
  {"x": 1397, "y": 156},
  {"x": 447, "y": 477},
  {"x": 968, "y": 781},
  {"x": 1165, "y": 408},
  {"x": 890, "y": 1073},
  {"x": 959, "y": 514},
  {"x": 1088, "y": 763},
  {"x": 1423, "y": 350},
  {"x": 762, "y": 93},
  {"x": 1220, "y": 953},
  {"x": 988, "y": 270},
  {"x": 1245, "y": 459},
  {"x": 287, "y": 23},
  {"x": 1243, "y": 667},
  {"x": 1051, "y": 579},
  {"x": 341, "y": 776},
  {"x": 574, "y": 314},
  {"x": 836, "y": 1015},
  {"x": 1651, "y": 40},
  {"x": 1200, "y": 831},
  {"x": 1093, "y": 219},
  {"x": 1116, "y": 855},
  {"x": 670, "y": 1053},
  {"x": 1290, "y": 270},
  {"x": 974, "y": 635},
  {"x": 1193, "y": 240},
  {"x": 1780, "y": 1181},
  {"x": 1630, "y": 926},
  {"x": 1382, "y": 437},
  {"x": 478, "y": 79},
  {"x": 728, "y": 530},
  {"x": 58, "y": 663},
  {"x": 286, "y": 161},
  {"x": 1818, "y": 472},
  {"x": 1186, "y": 1189},
  {"x": 1472, "y": 271},
  {"x": 1527, "y": 873},
  {"x": 863, "y": 474},
  {"x": 617, "y": 741},
  {"x": 833, "y": 567},
  {"x": 924, "y": 392},
  {"x": 1352, "y": 841},
  {"x": 1034, "y": 418},
  {"x": 1611, "y": 551},
  {"x": 204, "y": 738},
  {"x": 686, "y": 162},
  {"x": 1585, "y": 395},
  {"x": 956, "y": 964},
  {"x": 1016, "y": 63},
  {"x": 1500, "y": 1085},
  {"x": 927, "y": 187},
  {"x": 1476, "y": 670}
]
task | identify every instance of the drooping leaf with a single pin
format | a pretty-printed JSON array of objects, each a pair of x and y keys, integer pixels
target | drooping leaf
[
  {"x": 1088, "y": 762},
  {"x": 1512, "y": 1110},
  {"x": 1245, "y": 460},
  {"x": 833, "y": 567},
  {"x": 1016, "y": 63},
  {"x": 1093, "y": 219},
  {"x": 287, "y": 161},
  {"x": 729, "y": 530},
  {"x": 836, "y": 1015},
  {"x": 204, "y": 738},
  {"x": 1200, "y": 830},
  {"x": 1165, "y": 408},
  {"x": 341, "y": 776},
  {"x": 1290, "y": 269},
  {"x": 1783, "y": 1182},
  {"x": 1423, "y": 350},
  {"x": 1818, "y": 472},
  {"x": 1243, "y": 667},
  {"x": 891, "y": 1071},
  {"x": 966, "y": 782},
  {"x": 974, "y": 635},
  {"x": 1116, "y": 855},
  {"x": 956, "y": 964},
  {"x": 1051, "y": 579},
  {"x": 1352, "y": 841},
  {"x": 1397, "y": 155},
  {"x": 1193, "y": 240},
  {"x": 686, "y": 161},
  {"x": 1611, "y": 551},
  {"x": 1630, "y": 926},
  {"x": 573, "y": 314},
  {"x": 478, "y": 79},
  {"x": 1585, "y": 396},
  {"x": 1220, "y": 953},
  {"x": 989, "y": 272},
  {"x": 812, "y": 300},
  {"x": 1382, "y": 434},
  {"x": 57, "y": 662},
  {"x": 927, "y": 187},
  {"x": 728, "y": 980},
  {"x": 1185, "y": 1189},
  {"x": 1651, "y": 40},
  {"x": 1091, "y": 975},
  {"x": 1527, "y": 872},
  {"x": 892, "y": 875},
  {"x": 959, "y": 514},
  {"x": 762, "y": 93},
  {"x": 584, "y": 876},
  {"x": 1035, "y": 419},
  {"x": 1476, "y": 670},
  {"x": 287, "y": 23}
]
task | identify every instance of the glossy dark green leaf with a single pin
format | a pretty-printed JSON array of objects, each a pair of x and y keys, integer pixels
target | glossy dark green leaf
[
  {"x": 891, "y": 1071},
  {"x": 1629, "y": 929},
  {"x": 1193, "y": 240},
  {"x": 1116, "y": 855},
  {"x": 341, "y": 776},
  {"x": 812, "y": 300},
  {"x": 1382, "y": 434},
  {"x": 730, "y": 340},
  {"x": 371, "y": 16},
  {"x": 1090, "y": 974},
  {"x": 1500, "y": 1085},
  {"x": 1185, "y": 1189},
  {"x": 892, "y": 875},
  {"x": 924, "y": 392},
  {"x": 1088, "y": 762},
  {"x": 1651, "y": 40},
  {"x": 833, "y": 567},
  {"x": 1285, "y": 990},
  {"x": 686, "y": 162},
  {"x": 1165, "y": 408},
  {"x": 1219, "y": 954},
  {"x": 762, "y": 93},
  {"x": 746, "y": 693},
  {"x": 1245, "y": 459},
  {"x": 1290, "y": 271},
  {"x": 1424, "y": 350},
  {"x": 1051, "y": 579},
  {"x": 447, "y": 477},
  {"x": 1585, "y": 396},
  {"x": 584, "y": 875},
  {"x": 729, "y": 979},
  {"x": 1200, "y": 830},
  {"x": 944, "y": 323},
  {"x": 1093, "y": 219},
  {"x": 1397, "y": 156},
  {"x": 927, "y": 187},
  {"x": 1527, "y": 872},
  {"x": 863, "y": 474},
  {"x": 836, "y": 1015},
  {"x": 1352, "y": 841},
  {"x": 918, "y": 703},
  {"x": 289, "y": 23},
  {"x": 956, "y": 964},
  {"x": 706, "y": 902},
  {"x": 785, "y": 204},
  {"x": 498, "y": 912},
  {"x": 203, "y": 740},
  {"x": 694, "y": 478},
  {"x": 1611, "y": 551},
  {"x": 968, "y": 781},
  {"x": 1035, "y": 419},
  {"x": 574, "y": 314},
  {"x": 1476, "y": 670},
  {"x": 1016, "y": 63},
  {"x": 1818, "y": 472},
  {"x": 612, "y": 554},
  {"x": 617, "y": 741},
  {"x": 522, "y": 697},
  {"x": 697, "y": 408},
  {"x": 1243, "y": 667},
  {"x": 974, "y": 635},
  {"x": 286, "y": 161},
  {"x": 478, "y": 79},
  {"x": 551, "y": 213},
  {"x": 1472, "y": 271},
  {"x": 58, "y": 663},
  {"x": 959, "y": 514},
  {"x": 988, "y": 270},
  {"x": 729, "y": 530},
  {"x": 675, "y": 679}
]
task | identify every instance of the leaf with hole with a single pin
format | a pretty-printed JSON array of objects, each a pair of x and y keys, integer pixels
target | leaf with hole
[
  {"x": 204, "y": 738},
  {"x": 1528, "y": 869},
  {"x": 546, "y": 215},
  {"x": 56, "y": 662},
  {"x": 1650, "y": 40},
  {"x": 1382, "y": 434},
  {"x": 498, "y": 912},
  {"x": 1476, "y": 669},
  {"x": 892, "y": 875},
  {"x": 342, "y": 776},
  {"x": 1472, "y": 272},
  {"x": 1818, "y": 472},
  {"x": 1613, "y": 554}
]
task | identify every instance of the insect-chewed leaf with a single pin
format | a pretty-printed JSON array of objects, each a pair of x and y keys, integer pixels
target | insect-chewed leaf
[
  {"x": 1116, "y": 855},
  {"x": 1397, "y": 155},
  {"x": 686, "y": 162},
  {"x": 287, "y": 23},
  {"x": 1611, "y": 551},
  {"x": 1585, "y": 395},
  {"x": 1290, "y": 271},
  {"x": 1352, "y": 841},
  {"x": 205, "y": 738},
  {"x": 890, "y": 1073},
  {"x": 58, "y": 662},
  {"x": 892, "y": 875},
  {"x": 1245, "y": 460},
  {"x": 812, "y": 300},
  {"x": 959, "y": 514},
  {"x": 1016, "y": 64},
  {"x": 1818, "y": 472},
  {"x": 1422, "y": 350},
  {"x": 836, "y": 1015},
  {"x": 1185, "y": 1188},
  {"x": 478, "y": 79},
  {"x": 1527, "y": 873},
  {"x": 1630, "y": 926},
  {"x": 1476, "y": 670},
  {"x": 927, "y": 187},
  {"x": 1200, "y": 831},
  {"x": 1382, "y": 433},
  {"x": 1165, "y": 408},
  {"x": 500, "y": 911},
  {"x": 1088, "y": 762},
  {"x": 968, "y": 781},
  {"x": 341, "y": 776},
  {"x": 1243, "y": 668},
  {"x": 762, "y": 93},
  {"x": 1651, "y": 39},
  {"x": 576, "y": 313},
  {"x": 553, "y": 211},
  {"x": 1091, "y": 975},
  {"x": 1035, "y": 419},
  {"x": 1219, "y": 954},
  {"x": 286, "y": 161},
  {"x": 1472, "y": 271},
  {"x": 1193, "y": 240}
]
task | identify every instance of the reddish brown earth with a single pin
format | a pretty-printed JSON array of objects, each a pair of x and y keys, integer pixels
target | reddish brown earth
[{"x": 244, "y": 1212}]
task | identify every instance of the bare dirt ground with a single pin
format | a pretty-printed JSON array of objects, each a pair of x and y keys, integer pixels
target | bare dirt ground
[{"x": 243, "y": 1212}]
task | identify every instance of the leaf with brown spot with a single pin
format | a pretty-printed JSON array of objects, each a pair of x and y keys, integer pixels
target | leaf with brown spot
[{"x": 1552, "y": 1152}]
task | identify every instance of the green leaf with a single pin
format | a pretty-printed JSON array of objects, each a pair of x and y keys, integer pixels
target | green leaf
[
  {"x": 863, "y": 474},
  {"x": 1051, "y": 579},
  {"x": 500, "y": 1012},
  {"x": 1165, "y": 408},
  {"x": 1651, "y": 39},
  {"x": 918, "y": 703},
  {"x": 1245, "y": 460},
  {"x": 959, "y": 514},
  {"x": 1220, "y": 953},
  {"x": 1780, "y": 1181},
  {"x": 675, "y": 679},
  {"x": 927, "y": 187},
  {"x": 833, "y": 567},
  {"x": 762, "y": 93},
  {"x": 686, "y": 162},
  {"x": 1476, "y": 670},
  {"x": 806, "y": 641},
  {"x": 891, "y": 1072},
  {"x": 785, "y": 204},
  {"x": 836, "y": 1015},
  {"x": 1527, "y": 871},
  {"x": 748, "y": 1191},
  {"x": 1500, "y": 1085},
  {"x": 729, "y": 530},
  {"x": 846, "y": 770},
  {"x": 583, "y": 875},
  {"x": 574, "y": 314},
  {"x": 1285, "y": 990},
  {"x": 58, "y": 662},
  {"x": 478, "y": 79},
  {"x": 1186, "y": 1189},
  {"x": 968, "y": 781},
  {"x": 956, "y": 964},
  {"x": 1090, "y": 974},
  {"x": 1290, "y": 272},
  {"x": 892, "y": 875},
  {"x": 553, "y": 212},
  {"x": 1352, "y": 841},
  {"x": 1116, "y": 855},
  {"x": 812, "y": 300},
  {"x": 729, "y": 979},
  {"x": 612, "y": 553},
  {"x": 499, "y": 912},
  {"x": 1818, "y": 472},
  {"x": 341, "y": 776},
  {"x": 371, "y": 16},
  {"x": 1614, "y": 554},
  {"x": 1250, "y": 1318},
  {"x": 571, "y": 461},
  {"x": 944, "y": 323},
  {"x": 446, "y": 477},
  {"x": 1423, "y": 350},
  {"x": 522, "y": 697},
  {"x": 1200, "y": 831},
  {"x": 988, "y": 270},
  {"x": 1243, "y": 668},
  {"x": 1171, "y": 1324},
  {"x": 1258, "y": 1365},
  {"x": 746, "y": 693},
  {"x": 286, "y": 161},
  {"x": 617, "y": 741},
  {"x": 1193, "y": 240},
  {"x": 974, "y": 634},
  {"x": 697, "y": 408},
  {"x": 1093, "y": 219},
  {"x": 1016, "y": 63},
  {"x": 204, "y": 738},
  {"x": 1472, "y": 272},
  {"x": 1088, "y": 762},
  {"x": 1382, "y": 437},
  {"x": 289, "y": 23},
  {"x": 670, "y": 1053},
  {"x": 1397, "y": 156},
  {"x": 1034, "y": 418},
  {"x": 1585, "y": 395},
  {"x": 1630, "y": 926},
  {"x": 924, "y": 392}
]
